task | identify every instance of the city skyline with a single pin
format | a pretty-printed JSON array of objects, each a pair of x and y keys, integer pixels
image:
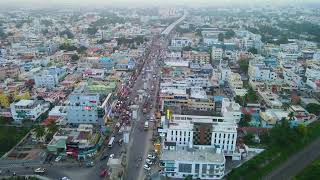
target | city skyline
[{"x": 152, "y": 3}]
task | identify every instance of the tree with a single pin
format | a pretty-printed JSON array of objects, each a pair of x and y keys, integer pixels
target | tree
[
  {"x": 220, "y": 37},
  {"x": 92, "y": 30},
  {"x": 4, "y": 101},
  {"x": 75, "y": 57},
  {"x": 291, "y": 116},
  {"x": 244, "y": 122},
  {"x": 313, "y": 108},
  {"x": 52, "y": 127},
  {"x": 39, "y": 131},
  {"x": 187, "y": 48},
  {"x": 189, "y": 177},
  {"x": 230, "y": 34},
  {"x": 81, "y": 50},
  {"x": 244, "y": 65}
]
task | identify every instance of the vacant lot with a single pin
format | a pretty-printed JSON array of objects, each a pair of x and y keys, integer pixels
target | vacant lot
[{"x": 10, "y": 136}]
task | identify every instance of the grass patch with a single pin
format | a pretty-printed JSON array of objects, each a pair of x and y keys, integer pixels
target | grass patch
[
  {"x": 10, "y": 136},
  {"x": 312, "y": 171}
]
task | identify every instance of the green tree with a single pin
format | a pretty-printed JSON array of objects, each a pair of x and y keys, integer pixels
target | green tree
[
  {"x": 81, "y": 49},
  {"x": 221, "y": 37},
  {"x": 39, "y": 131},
  {"x": 230, "y": 34},
  {"x": 244, "y": 65},
  {"x": 244, "y": 122},
  {"x": 187, "y": 48},
  {"x": 291, "y": 116},
  {"x": 75, "y": 57},
  {"x": 52, "y": 127},
  {"x": 313, "y": 108}
]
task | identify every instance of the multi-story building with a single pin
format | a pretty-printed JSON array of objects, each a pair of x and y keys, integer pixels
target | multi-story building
[
  {"x": 258, "y": 71},
  {"x": 181, "y": 42},
  {"x": 231, "y": 109},
  {"x": 216, "y": 54},
  {"x": 200, "y": 131},
  {"x": 197, "y": 57},
  {"x": 49, "y": 78},
  {"x": 292, "y": 79},
  {"x": 28, "y": 109},
  {"x": 180, "y": 162},
  {"x": 82, "y": 108},
  {"x": 313, "y": 72}
]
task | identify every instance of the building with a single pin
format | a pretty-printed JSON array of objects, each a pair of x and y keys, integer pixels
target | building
[
  {"x": 230, "y": 109},
  {"x": 181, "y": 42},
  {"x": 180, "y": 162},
  {"x": 49, "y": 78},
  {"x": 9, "y": 71},
  {"x": 271, "y": 117},
  {"x": 216, "y": 54},
  {"x": 28, "y": 109},
  {"x": 80, "y": 143},
  {"x": 271, "y": 99},
  {"x": 82, "y": 108},
  {"x": 201, "y": 131},
  {"x": 197, "y": 56},
  {"x": 258, "y": 71}
]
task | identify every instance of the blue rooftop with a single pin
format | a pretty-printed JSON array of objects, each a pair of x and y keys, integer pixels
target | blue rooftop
[{"x": 105, "y": 60}]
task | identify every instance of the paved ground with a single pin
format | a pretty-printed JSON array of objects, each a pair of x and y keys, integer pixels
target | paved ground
[{"x": 296, "y": 163}]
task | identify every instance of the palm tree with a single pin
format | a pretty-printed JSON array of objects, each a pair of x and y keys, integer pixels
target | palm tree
[{"x": 40, "y": 131}]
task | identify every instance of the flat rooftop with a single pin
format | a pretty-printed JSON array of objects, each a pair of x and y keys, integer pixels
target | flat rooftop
[{"x": 207, "y": 155}]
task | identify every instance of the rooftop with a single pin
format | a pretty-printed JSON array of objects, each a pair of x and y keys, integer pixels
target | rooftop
[{"x": 208, "y": 155}]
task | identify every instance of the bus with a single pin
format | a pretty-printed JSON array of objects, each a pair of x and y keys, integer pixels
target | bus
[{"x": 111, "y": 142}]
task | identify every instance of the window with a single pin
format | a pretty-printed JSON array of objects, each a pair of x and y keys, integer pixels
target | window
[
  {"x": 196, "y": 168},
  {"x": 185, "y": 168},
  {"x": 204, "y": 169},
  {"x": 176, "y": 133},
  {"x": 172, "y": 133},
  {"x": 185, "y": 133}
]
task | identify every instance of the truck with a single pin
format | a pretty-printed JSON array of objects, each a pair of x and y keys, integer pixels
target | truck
[{"x": 146, "y": 125}]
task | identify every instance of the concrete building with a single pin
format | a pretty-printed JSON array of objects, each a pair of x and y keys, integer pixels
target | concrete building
[
  {"x": 180, "y": 162},
  {"x": 181, "y": 42},
  {"x": 9, "y": 71},
  {"x": 82, "y": 108},
  {"x": 197, "y": 56},
  {"x": 28, "y": 110},
  {"x": 49, "y": 78},
  {"x": 201, "y": 131},
  {"x": 258, "y": 71},
  {"x": 216, "y": 54},
  {"x": 231, "y": 110}
]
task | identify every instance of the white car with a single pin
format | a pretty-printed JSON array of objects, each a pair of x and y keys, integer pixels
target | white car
[
  {"x": 40, "y": 170},
  {"x": 150, "y": 156},
  {"x": 58, "y": 159},
  {"x": 111, "y": 156},
  {"x": 65, "y": 178},
  {"x": 148, "y": 161},
  {"x": 146, "y": 167}
]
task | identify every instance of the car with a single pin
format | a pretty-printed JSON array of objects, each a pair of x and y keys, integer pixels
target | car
[
  {"x": 150, "y": 156},
  {"x": 103, "y": 173},
  {"x": 111, "y": 156},
  {"x": 148, "y": 161},
  {"x": 89, "y": 164},
  {"x": 40, "y": 170},
  {"x": 58, "y": 159},
  {"x": 146, "y": 167},
  {"x": 65, "y": 178},
  {"x": 104, "y": 157}
]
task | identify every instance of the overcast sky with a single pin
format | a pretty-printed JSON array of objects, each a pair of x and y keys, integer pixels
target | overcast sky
[{"x": 128, "y": 3}]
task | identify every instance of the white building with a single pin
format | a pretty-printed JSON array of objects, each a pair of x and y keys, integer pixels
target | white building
[
  {"x": 231, "y": 110},
  {"x": 313, "y": 72},
  {"x": 28, "y": 109},
  {"x": 201, "y": 131},
  {"x": 180, "y": 162},
  {"x": 258, "y": 71},
  {"x": 49, "y": 78},
  {"x": 216, "y": 54},
  {"x": 181, "y": 42}
]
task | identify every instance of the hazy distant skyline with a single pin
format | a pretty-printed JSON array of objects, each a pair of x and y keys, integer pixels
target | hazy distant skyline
[{"x": 153, "y": 3}]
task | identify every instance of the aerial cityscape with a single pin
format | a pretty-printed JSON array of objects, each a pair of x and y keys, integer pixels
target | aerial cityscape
[{"x": 157, "y": 90}]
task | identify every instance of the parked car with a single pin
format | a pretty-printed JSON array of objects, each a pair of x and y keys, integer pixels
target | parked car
[
  {"x": 146, "y": 167},
  {"x": 58, "y": 159},
  {"x": 148, "y": 161},
  {"x": 104, "y": 157},
  {"x": 89, "y": 164},
  {"x": 150, "y": 156},
  {"x": 65, "y": 178},
  {"x": 111, "y": 156},
  {"x": 103, "y": 173}
]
